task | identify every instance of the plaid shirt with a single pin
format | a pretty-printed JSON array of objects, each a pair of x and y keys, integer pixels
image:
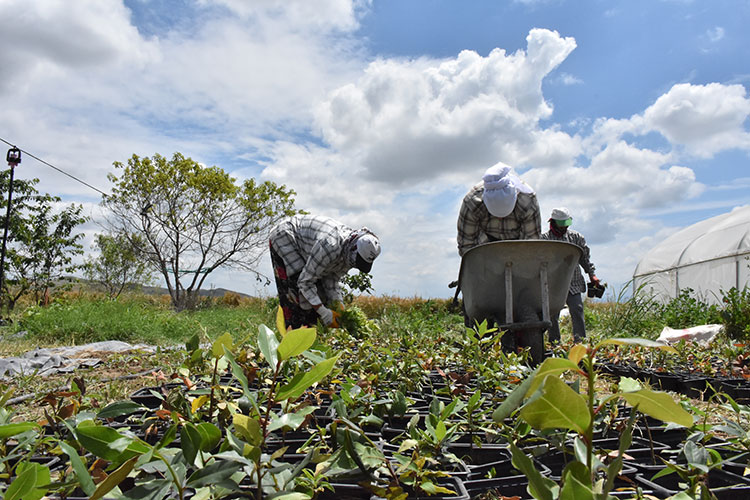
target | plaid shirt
[
  {"x": 320, "y": 249},
  {"x": 476, "y": 225},
  {"x": 577, "y": 284}
]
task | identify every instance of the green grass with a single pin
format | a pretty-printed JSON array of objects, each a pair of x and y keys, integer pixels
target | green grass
[{"x": 84, "y": 319}]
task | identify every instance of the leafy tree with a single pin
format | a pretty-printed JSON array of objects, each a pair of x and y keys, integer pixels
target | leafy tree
[
  {"x": 193, "y": 219},
  {"x": 356, "y": 282},
  {"x": 118, "y": 265},
  {"x": 41, "y": 246}
]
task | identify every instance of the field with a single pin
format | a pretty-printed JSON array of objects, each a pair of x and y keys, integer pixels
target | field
[{"x": 218, "y": 384}]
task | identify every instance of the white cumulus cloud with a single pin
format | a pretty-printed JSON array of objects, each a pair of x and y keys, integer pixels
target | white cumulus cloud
[{"x": 410, "y": 120}]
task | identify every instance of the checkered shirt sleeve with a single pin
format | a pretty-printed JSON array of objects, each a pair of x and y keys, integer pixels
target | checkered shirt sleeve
[
  {"x": 476, "y": 225},
  {"x": 316, "y": 248},
  {"x": 577, "y": 283}
]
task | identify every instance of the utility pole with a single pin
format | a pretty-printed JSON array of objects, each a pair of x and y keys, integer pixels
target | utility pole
[{"x": 14, "y": 158}]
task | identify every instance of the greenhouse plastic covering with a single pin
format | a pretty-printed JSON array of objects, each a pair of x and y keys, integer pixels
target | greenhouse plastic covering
[
  {"x": 44, "y": 362},
  {"x": 709, "y": 257}
]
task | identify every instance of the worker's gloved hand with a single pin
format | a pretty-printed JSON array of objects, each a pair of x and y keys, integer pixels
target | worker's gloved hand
[
  {"x": 326, "y": 315},
  {"x": 336, "y": 323}
]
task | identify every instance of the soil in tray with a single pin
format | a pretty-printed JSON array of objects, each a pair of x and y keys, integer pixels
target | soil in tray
[
  {"x": 511, "y": 486},
  {"x": 723, "y": 484},
  {"x": 452, "y": 483}
]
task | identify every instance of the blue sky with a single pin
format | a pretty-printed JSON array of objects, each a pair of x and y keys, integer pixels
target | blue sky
[{"x": 633, "y": 114}]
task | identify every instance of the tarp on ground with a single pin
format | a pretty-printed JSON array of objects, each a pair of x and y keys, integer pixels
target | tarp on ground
[
  {"x": 709, "y": 257},
  {"x": 52, "y": 360}
]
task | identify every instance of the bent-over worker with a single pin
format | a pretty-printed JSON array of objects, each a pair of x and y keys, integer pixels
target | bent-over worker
[
  {"x": 501, "y": 207},
  {"x": 310, "y": 254}
]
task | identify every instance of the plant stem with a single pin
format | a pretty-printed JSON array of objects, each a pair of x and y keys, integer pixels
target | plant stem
[
  {"x": 589, "y": 438},
  {"x": 175, "y": 480},
  {"x": 213, "y": 385}
]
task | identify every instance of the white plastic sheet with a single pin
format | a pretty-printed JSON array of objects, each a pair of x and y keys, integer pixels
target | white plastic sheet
[
  {"x": 45, "y": 362},
  {"x": 703, "y": 334}
]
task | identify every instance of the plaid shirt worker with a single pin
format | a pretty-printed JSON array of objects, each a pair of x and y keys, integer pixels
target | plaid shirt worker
[
  {"x": 321, "y": 250},
  {"x": 577, "y": 284},
  {"x": 476, "y": 225}
]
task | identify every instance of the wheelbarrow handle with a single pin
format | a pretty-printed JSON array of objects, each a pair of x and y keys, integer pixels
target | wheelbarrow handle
[{"x": 454, "y": 284}]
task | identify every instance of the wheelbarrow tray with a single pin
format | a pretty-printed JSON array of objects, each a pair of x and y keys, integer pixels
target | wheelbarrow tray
[{"x": 517, "y": 282}]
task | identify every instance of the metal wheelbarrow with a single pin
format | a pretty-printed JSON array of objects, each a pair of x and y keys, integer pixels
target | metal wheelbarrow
[{"x": 518, "y": 285}]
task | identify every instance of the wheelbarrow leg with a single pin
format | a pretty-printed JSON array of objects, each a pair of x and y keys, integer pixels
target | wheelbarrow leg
[
  {"x": 545, "y": 291},
  {"x": 508, "y": 340},
  {"x": 534, "y": 337}
]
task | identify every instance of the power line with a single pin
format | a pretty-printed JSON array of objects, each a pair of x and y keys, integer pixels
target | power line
[{"x": 54, "y": 167}]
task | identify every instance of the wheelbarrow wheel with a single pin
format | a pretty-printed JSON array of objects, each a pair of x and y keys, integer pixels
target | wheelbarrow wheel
[
  {"x": 534, "y": 340},
  {"x": 531, "y": 338}
]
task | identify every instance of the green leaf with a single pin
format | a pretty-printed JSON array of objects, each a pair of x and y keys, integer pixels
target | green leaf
[
  {"x": 248, "y": 429},
  {"x": 113, "y": 479},
  {"x": 695, "y": 455},
  {"x": 557, "y": 407},
  {"x": 35, "y": 482},
  {"x": 295, "y": 342},
  {"x": 628, "y": 384},
  {"x": 407, "y": 444},
  {"x": 268, "y": 343},
  {"x": 551, "y": 366},
  {"x": 210, "y": 436},
  {"x": 575, "y": 486},
  {"x": 155, "y": 489},
  {"x": 82, "y": 473},
  {"x": 22, "y": 485},
  {"x": 212, "y": 474},
  {"x": 682, "y": 495},
  {"x": 399, "y": 404},
  {"x": 217, "y": 349},
  {"x": 514, "y": 399},
  {"x": 238, "y": 373},
  {"x": 190, "y": 442},
  {"x": 615, "y": 466},
  {"x": 292, "y": 496},
  {"x": 433, "y": 489},
  {"x": 658, "y": 405},
  {"x": 440, "y": 430},
  {"x": 107, "y": 443},
  {"x": 316, "y": 374},
  {"x": 637, "y": 341},
  {"x": 291, "y": 420},
  {"x": 43, "y": 480},
  {"x": 193, "y": 343},
  {"x": 540, "y": 487},
  {"x": 577, "y": 353},
  {"x": 167, "y": 438},
  {"x": 9, "y": 430},
  {"x": 118, "y": 409},
  {"x": 280, "y": 321}
]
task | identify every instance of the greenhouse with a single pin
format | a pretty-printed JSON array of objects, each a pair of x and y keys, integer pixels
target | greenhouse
[{"x": 707, "y": 257}]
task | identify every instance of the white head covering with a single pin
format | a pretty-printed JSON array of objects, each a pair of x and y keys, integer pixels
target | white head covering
[
  {"x": 501, "y": 188},
  {"x": 561, "y": 213}
]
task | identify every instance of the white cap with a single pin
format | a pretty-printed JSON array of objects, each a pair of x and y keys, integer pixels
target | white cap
[
  {"x": 561, "y": 213},
  {"x": 368, "y": 248},
  {"x": 501, "y": 188}
]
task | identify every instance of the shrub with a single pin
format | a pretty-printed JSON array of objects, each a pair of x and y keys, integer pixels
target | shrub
[
  {"x": 637, "y": 316},
  {"x": 686, "y": 310},
  {"x": 736, "y": 313}
]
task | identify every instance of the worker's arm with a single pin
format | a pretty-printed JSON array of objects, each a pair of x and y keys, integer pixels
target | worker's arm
[
  {"x": 468, "y": 228},
  {"x": 531, "y": 224}
]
